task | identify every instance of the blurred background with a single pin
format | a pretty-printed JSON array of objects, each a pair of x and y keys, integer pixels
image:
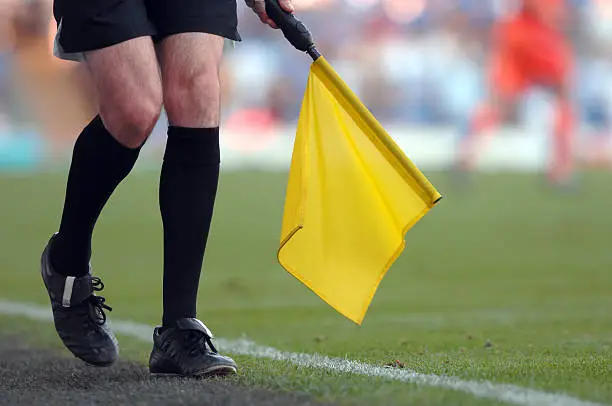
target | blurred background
[
  {"x": 419, "y": 65},
  {"x": 508, "y": 260}
]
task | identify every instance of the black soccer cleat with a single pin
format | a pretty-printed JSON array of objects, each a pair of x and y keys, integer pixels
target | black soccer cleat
[
  {"x": 187, "y": 350},
  {"x": 79, "y": 314}
]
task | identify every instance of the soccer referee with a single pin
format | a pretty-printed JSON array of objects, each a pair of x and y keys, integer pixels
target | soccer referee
[{"x": 142, "y": 54}]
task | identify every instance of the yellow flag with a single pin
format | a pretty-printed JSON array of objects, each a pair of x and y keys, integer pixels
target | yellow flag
[{"x": 352, "y": 196}]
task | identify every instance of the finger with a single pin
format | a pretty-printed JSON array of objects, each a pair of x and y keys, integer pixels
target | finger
[
  {"x": 268, "y": 21},
  {"x": 263, "y": 17},
  {"x": 260, "y": 10},
  {"x": 259, "y": 7},
  {"x": 272, "y": 24},
  {"x": 287, "y": 6}
]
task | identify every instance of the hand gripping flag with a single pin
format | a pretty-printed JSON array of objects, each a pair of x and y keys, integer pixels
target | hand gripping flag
[{"x": 352, "y": 193}]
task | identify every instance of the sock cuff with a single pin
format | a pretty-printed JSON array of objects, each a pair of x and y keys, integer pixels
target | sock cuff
[
  {"x": 102, "y": 137},
  {"x": 187, "y": 132},
  {"x": 193, "y": 146}
]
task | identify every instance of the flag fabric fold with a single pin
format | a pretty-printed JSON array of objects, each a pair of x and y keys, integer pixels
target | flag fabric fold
[{"x": 351, "y": 197}]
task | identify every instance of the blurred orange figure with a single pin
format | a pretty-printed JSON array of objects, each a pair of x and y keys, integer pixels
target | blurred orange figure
[{"x": 529, "y": 49}]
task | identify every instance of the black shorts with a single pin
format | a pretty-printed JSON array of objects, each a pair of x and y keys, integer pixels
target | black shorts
[{"x": 85, "y": 25}]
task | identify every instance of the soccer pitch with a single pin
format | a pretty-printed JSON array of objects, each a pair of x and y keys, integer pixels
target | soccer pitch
[{"x": 505, "y": 282}]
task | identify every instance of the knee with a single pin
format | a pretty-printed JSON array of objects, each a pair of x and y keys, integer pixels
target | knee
[
  {"x": 132, "y": 122},
  {"x": 193, "y": 99}
]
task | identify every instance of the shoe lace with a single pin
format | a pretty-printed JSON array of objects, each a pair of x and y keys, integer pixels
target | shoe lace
[
  {"x": 198, "y": 343},
  {"x": 98, "y": 302}
]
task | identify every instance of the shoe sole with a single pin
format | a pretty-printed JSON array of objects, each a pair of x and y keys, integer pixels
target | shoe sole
[
  {"x": 221, "y": 370},
  {"x": 97, "y": 365}
]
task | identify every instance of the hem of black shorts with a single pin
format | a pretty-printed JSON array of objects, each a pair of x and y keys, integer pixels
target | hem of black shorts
[
  {"x": 235, "y": 36},
  {"x": 231, "y": 36},
  {"x": 106, "y": 44}
]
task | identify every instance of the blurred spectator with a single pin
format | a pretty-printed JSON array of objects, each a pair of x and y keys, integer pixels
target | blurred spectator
[{"x": 411, "y": 61}]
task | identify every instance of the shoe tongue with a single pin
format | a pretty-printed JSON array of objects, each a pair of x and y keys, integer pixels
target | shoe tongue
[{"x": 194, "y": 325}]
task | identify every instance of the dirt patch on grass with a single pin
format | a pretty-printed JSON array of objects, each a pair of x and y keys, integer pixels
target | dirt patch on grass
[{"x": 30, "y": 376}]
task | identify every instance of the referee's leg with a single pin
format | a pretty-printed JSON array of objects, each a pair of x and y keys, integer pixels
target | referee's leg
[
  {"x": 188, "y": 185},
  {"x": 190, "y": 71},
  {"x": 129, "y": 95}
]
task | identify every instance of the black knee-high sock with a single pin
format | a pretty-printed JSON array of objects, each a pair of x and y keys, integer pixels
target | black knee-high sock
[
  {"x": 187, "y": 190},
  {"x": 99, "y": 164}
]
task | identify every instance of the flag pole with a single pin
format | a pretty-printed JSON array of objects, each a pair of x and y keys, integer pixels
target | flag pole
[
  {"x": 313, "y": 52},
  {"x": 293, "y": 29}
]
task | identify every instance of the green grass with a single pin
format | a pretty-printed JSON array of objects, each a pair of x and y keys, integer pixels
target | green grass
[{"x": 507, "y": 262}]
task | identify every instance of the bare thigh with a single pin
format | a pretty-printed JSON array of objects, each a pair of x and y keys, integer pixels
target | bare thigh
[
  {"x": 129, "y": 91},
  {"x": 190, "y": 71}
]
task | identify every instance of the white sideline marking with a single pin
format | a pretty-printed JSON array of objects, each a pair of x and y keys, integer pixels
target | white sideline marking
[{"x": 482, "y": 389}]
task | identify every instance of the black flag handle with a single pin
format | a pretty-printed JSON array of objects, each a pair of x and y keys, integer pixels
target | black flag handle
[{"x": 293, "y": 29}]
